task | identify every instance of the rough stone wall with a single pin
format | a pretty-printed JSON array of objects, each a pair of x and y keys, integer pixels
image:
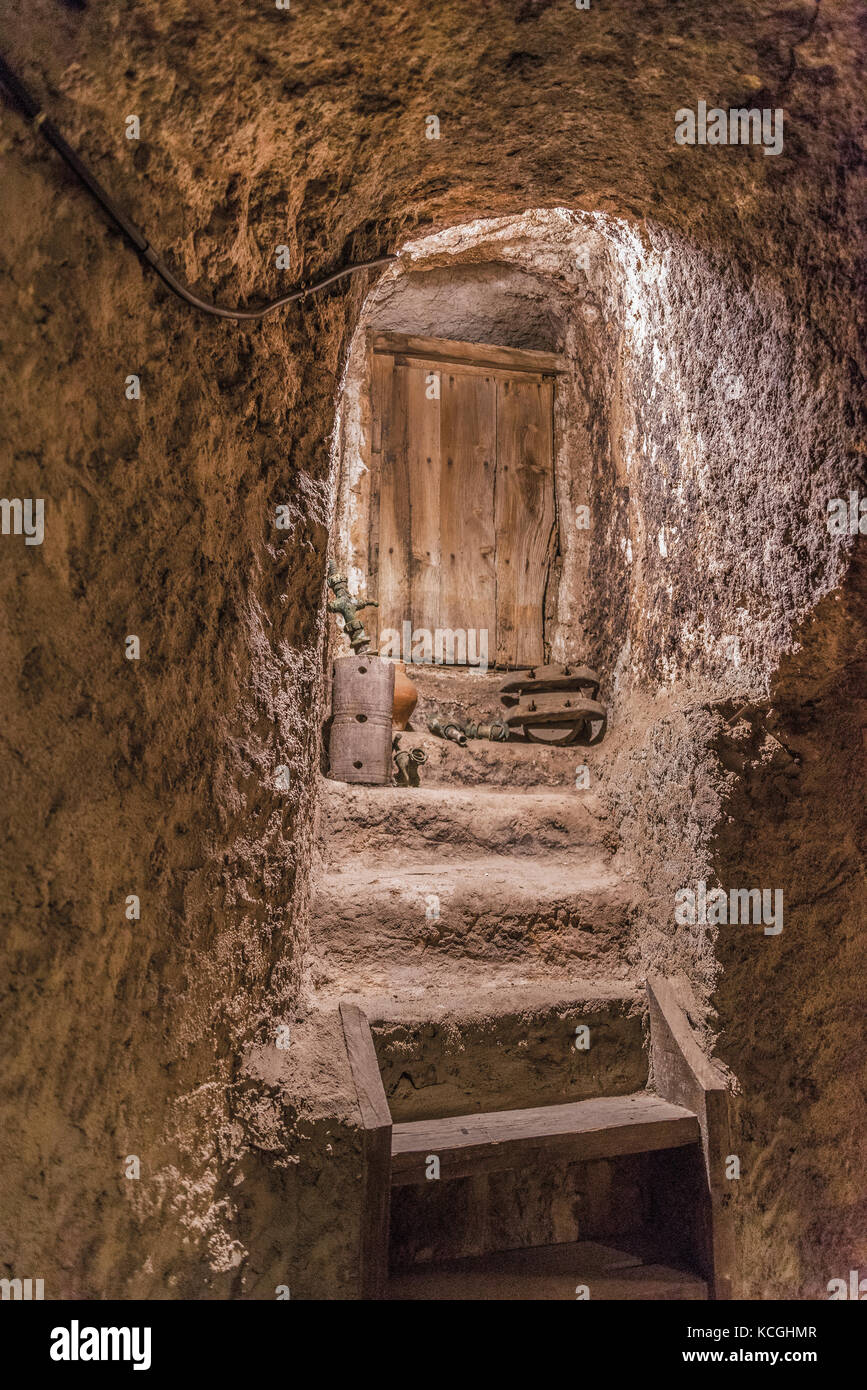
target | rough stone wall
[
  {"x": 770, "y": 794},
  {"x": 259, "y": 128},
  {"x": 153, "y": 777},
  {"x": 729, "y": 431},
  {"x": 791, "y": 1007}
]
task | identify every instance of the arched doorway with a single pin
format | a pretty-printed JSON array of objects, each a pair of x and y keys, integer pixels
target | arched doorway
[{"x": 462, "y": 533}]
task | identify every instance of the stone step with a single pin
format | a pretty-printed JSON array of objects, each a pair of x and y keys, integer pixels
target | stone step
[
  {"x": 456, "y": 1049},
  {"x": 379, "y": 823},
  {"x": 513, "y": 765},
  {"x": 548, "y": 1273},
  {"x": 495, "y": 909}
]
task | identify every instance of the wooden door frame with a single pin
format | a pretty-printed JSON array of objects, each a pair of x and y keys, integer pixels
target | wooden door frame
[
  {"x": 485, "y": 356},
  {"x": 385, "y": 348}
]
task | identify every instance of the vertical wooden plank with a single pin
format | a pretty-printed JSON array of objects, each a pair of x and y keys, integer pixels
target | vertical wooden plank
[
  {"x": 381, "y": 366},
  {"x": 684, "y": 1075},
  {"x": 423, "y": 464},
  {"x": 524, "y": 517},
  {"x": 394, "y": 508},
  {"x": 376, "y": 1211},
  {"x": 376, "y": 1150},
  {"x": 468, "y": 441},
  {"x": 717, "y": 1145}
]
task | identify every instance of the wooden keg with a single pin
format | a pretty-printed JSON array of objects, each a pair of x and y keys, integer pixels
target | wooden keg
[{"x": 360, "y": 744}]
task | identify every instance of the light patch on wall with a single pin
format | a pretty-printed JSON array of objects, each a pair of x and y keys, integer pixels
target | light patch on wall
[{"x": 623, "y": 665}]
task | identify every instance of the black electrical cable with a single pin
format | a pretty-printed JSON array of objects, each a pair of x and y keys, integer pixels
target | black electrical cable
[{"x": 29, "y": 105}]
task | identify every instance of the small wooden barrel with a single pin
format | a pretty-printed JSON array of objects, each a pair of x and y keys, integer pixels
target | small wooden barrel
[{"x": 359, "y": 749}]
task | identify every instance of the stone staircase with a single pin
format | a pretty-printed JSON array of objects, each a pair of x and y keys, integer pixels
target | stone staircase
[
  {"x": 419, "y": 882},
  {"x": 477, "y": 941}
]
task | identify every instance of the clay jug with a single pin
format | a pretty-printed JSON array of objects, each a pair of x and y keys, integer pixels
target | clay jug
[{"x": 405, "y": 697}]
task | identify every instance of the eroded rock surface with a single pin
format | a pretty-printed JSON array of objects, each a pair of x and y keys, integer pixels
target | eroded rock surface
[{"x": 159, "y": 1037}]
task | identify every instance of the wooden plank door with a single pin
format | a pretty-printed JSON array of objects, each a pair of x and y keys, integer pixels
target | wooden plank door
[
  {"x": 462, "y": 519},
  {"x": 524, "y": 517},
  {"x": 468, "y": 585},
  {"x": 393, "y": 528},
  {"x": 423, "y": 457}
]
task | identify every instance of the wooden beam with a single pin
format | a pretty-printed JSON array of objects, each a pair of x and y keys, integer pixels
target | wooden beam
[
  {"x": 381, "y": 370},
  {"x": 393, "y": 554},
  {"x": 468, "y": 369},
  {"x": 684, "y": 1075},
  {"x": 508, "y": 1139},
  {"x": 484, "y": 355},
  {"x": 525, "y": 520},
  {"x": 557, "y": 708},
  {"x": 468, "y": 442},
  {"x": 376, "y": 1150}
]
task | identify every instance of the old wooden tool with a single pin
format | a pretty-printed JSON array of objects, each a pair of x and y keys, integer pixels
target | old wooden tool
[
  {"x": 540, "y": 679},
  {"x": 555, "y": 704}
]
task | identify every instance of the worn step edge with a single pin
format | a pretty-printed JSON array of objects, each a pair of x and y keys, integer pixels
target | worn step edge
[
  {"x": 579, "y": 1131},
  {"x": 584, "y": 872},
  {"x": 555, "y": 1272},
  {"x": 385, "y": 824},
  {"x": 421, "y": 997}
]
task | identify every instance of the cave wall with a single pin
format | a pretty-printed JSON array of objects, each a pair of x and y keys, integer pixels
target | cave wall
[
  {"x": 154, "y": 777},
  {"x": 790, "y": 1008},
  {"x": 260, "y": 128},
  {"x": 729, "y": 431}
]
